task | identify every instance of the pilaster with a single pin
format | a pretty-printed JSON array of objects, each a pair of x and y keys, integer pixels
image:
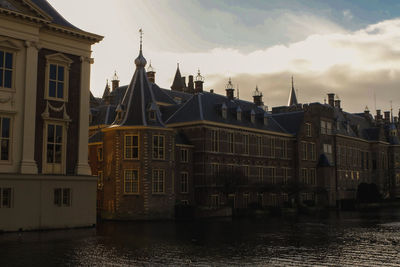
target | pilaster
[
  {"x": 28, "y": 164},
  {"x": 82, "y": 167}
]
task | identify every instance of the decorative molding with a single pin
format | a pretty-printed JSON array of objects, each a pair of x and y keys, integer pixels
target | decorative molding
[
  {"x": 87, "y": 59},
  {"x": 6, "y": 100},
  {"x": 59, "y": 58},
  {"x": 10, "y": 45},
  {"x": 46, "y": 114}
]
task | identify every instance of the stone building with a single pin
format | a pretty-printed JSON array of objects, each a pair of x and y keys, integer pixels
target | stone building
[
  {"x": 45, "y": 179},
  {"x": 221, "y": 151}
]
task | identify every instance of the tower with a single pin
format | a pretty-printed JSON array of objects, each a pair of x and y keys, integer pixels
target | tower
[
  {"x": 151, "y": 73},
  {"x": 230, "y": 90},
  {"x": 198, "y": 83},
  {"x": 257, "y": 97}
]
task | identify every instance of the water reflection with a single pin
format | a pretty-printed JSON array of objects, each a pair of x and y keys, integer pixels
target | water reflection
[{"x": 345, "y": 239}]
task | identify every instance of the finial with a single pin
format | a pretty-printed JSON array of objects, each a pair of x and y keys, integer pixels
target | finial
[
  {"x": 292, "y": 83},
  {"x": 141, "y": 38},
  {"x": 199, "y": 77}
]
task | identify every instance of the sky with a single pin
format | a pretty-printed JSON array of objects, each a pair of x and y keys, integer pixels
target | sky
[{"x": 350, "y": 48}]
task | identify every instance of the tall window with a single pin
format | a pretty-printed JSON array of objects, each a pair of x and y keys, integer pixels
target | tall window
[
  {"x": 215, "y": 169},
  {"x": 308, "y": 130},
  {"x": 100, "y": 153},
  {"x": 270, "y": 173},
  {"x": 286, "y": 175},
  {"x": 184, "y": 182},
  {"x": 131, "y": 147},
  {"x": 231, "y": 142},
  {"x": 158, "y": 147},
  {"x": 62, "y": 197},
  {"x": 100, "y": 180},
  {"x": 304, "y": 150},
  {"x": 304, "y": 176},
  {"x": 158, "y": 181},
  {"x": 214, "y": 200},
  {"x": 57, "y": 76},
  {"x": 214, "y": 140},
  {"x": 6, "y": 69},
  {"x": 55, "y": 146},
  {"x": 131, "y": 182},
  {"x": 284, "y": 148},
  {"x": 311, "y": 147},
  {"x": 272, "y": 147},
  {"x": 56, "y": 81},
  {"x": 184, "y": 155},
  {"x": 246, "y": 144},
  {"x": 259, "y": 145},
  {"x": 328, "y": 152},
  {"x": 311, "y": 177},
  {"x": 5, "y": 197},
  {"x": 5, "y": 129}
]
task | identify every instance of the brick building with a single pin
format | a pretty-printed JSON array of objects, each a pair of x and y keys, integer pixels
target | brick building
[
  {"x": 45, "y": 180},
  {"x": 221, "y": 151}
]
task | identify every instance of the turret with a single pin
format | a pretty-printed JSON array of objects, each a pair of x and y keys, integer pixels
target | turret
[
  {"x": 115, "y": 81},
  {"x": 177, "y": 84},
  {"x": 198, "y": 83},
  {"x": 257, "y": 97},
  {"x": 151, "y": 74},
  {"x": 230, "y": 90}
]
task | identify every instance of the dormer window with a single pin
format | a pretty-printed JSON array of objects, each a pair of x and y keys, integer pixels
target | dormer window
[
  {"x": 253, "y": 117},
  {"x": 265, "y": 119},
  {"x": 239, "y": 114},
  {"x": 152, "y": 115},
  {"x": 224, "y": 111}
]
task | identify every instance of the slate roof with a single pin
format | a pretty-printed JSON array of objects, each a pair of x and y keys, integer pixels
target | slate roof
[
  {"x": 103, "y": 115},
  {"x": 178, "y": 84},
  {"x": 290, "y": 121},
  {"x": 139, "y": 99},
  {"x": 56, "y": 17},
  {"x": 208, "y": 106}
]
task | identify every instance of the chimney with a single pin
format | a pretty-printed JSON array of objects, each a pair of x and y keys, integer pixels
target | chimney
[
  {"x": 387, "y": 116},
  {"x": 257, "y": 97},
  {"x": 190, "y": 84},
  {"x": 395, "y": 119},
  {"x": 337, "y": 103},
  {"x": 378, "y": 116},
  {"x": 184, "y": 81},
  {"x": 212, "y": 91},
  {"x": 115, "y": 81},
  {"x": 198, "y": 83},
  {"x": 331, "y": 99}
]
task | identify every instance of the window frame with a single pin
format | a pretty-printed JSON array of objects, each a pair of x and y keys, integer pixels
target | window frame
[
  {"x": 132, "y": 181},
  {"x": 4, "y": 68},
  {"x": 308, "y": 129},
  {"x": 184, "y": 155},
  {"x": 9, "y": 139},
  {"x": 133, "y": 147},
  {"x": 11, "y": 196},
  {"x": 246, "y": 144},
  {"x": 9, "y": 46},
  {"x": 60, "y": 60},
  {"x": 156, "y": 182},
  {"x": 214, "y": 140},
  {"x": 54, "y": 168},
  {"x": 157, "y": 149},
  {"x": 184, "y": 181},
  {"x": 59, "y": 200}
]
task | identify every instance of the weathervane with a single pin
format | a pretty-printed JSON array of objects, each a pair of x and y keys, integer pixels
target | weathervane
[{"x": 141, "y": 38}]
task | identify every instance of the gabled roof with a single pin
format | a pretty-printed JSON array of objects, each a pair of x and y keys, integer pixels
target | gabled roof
[{"x": 139, "y": 99}]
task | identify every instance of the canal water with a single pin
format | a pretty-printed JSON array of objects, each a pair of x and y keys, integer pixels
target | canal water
[{"x": 345, "y": 239}]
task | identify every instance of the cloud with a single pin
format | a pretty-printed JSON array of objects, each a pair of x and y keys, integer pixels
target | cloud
[{"x": 352, "y": 64}]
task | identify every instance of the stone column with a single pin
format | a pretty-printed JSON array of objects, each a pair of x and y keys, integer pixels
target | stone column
[
  {"x": 82, "y": 167},
  {"x": 28, "y": 164}
]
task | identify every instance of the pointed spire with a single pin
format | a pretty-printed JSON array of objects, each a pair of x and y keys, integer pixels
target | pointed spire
[
  {"x": 106, "y": 92},
  {"x": 292, "y": 96},
  {"x": 137, "y": 105},
  {"x": 177, "y": 84}
]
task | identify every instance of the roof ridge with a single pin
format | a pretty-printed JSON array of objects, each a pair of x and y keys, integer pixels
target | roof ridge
[
  {"x": 180, "y": 108},
  {"x": 200, "y": 107}
]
